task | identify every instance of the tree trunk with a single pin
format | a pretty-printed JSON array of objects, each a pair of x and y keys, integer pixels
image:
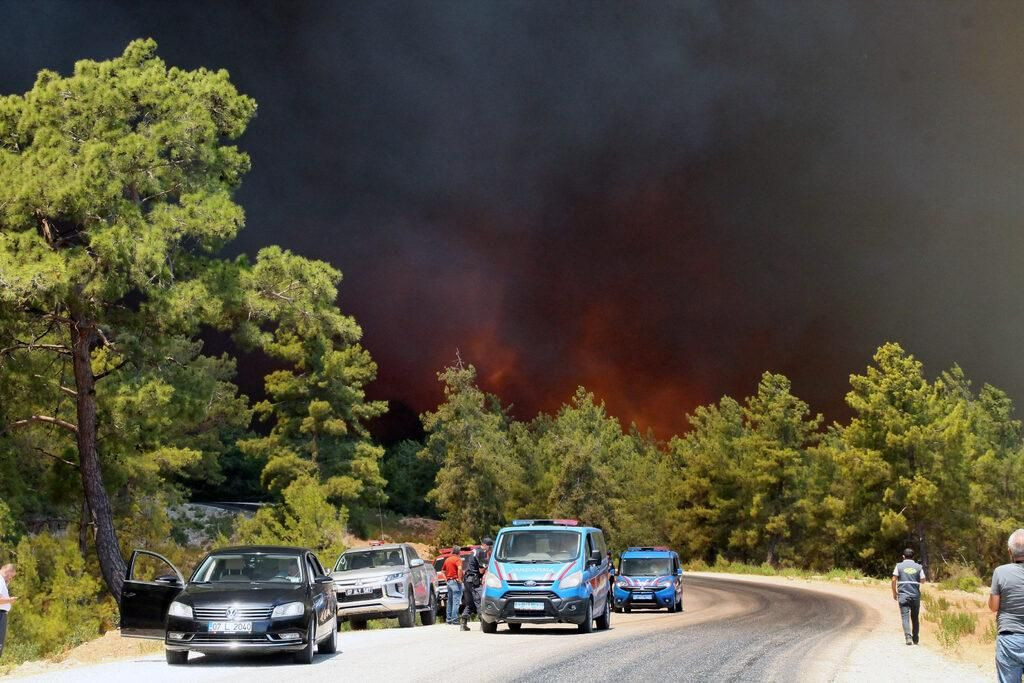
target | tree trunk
[
  {"x": 108, "y": 550},
  {"x": 83, "y": 529}
]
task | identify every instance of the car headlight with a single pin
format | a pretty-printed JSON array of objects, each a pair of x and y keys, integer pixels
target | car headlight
[
  {"x": 393, "y": 577},
  {"x": 180, "y": 609},
  {"x": 571, "y": 580},
  {"x": 663, "y": 584},
  {"x": 492, "y": 580},
  {"x": 289, "y": 609}
]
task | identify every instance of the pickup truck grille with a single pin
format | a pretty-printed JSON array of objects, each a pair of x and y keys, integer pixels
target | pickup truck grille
[{"x": 240, "y": 613}]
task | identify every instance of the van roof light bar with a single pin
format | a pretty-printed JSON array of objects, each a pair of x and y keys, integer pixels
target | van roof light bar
[{"x": 545, "y": 522}]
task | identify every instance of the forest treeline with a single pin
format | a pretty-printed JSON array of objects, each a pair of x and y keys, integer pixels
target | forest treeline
[
  {"x": 116, "y": 204},
  {"x": 933, "y": 464}
]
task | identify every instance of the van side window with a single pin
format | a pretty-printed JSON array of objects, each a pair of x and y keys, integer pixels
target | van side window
[
  {"x": 590, "y": 545},
  {"x": 599, "y": 543}
]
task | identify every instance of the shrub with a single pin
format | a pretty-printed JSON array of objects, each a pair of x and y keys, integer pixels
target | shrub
[
  {"x": 961, "y": 577},
  {"x": 954, "y": 625},
  {"x": 61, "y": 603}
]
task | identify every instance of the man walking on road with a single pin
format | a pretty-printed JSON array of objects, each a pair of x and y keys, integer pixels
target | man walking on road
[
  {"x": 907, "y": 578},
  {"x": 7, "y": 573},
  {"x": 1006, "y": 599},
  {"x": 473, "y": 572},
  {"x": 452, "y": 570}
]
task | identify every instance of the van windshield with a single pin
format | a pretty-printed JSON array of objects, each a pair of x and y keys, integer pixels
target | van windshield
[
  {"x": 538, "y": 547},
  {"x": 646, "y": 566}
]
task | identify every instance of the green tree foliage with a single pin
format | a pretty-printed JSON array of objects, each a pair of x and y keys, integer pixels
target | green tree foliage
[
  {"x": 775, "y": 466},
  {"x": 116, "y": 187},
  {"x": 584, "y": 443},
  {"x": 900, "y": 468},
  {"x": 318, "y": 404},
  {"x": 410, "y": 478},
  {"x": 302, "y": 519},
  {"x": 469, "y": 440}
]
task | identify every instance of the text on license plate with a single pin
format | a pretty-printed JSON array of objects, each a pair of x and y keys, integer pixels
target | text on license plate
[
  {"x": 230, "y": 627},
  {"x": 359, "y": 591},
  {"x": 529, "y": 606},
  {"x": 642, "y": 596}
]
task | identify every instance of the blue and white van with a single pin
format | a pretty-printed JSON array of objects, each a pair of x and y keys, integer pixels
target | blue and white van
[
  {"x": 649, "y": 578},
  {"x": 547, "y": 571}
]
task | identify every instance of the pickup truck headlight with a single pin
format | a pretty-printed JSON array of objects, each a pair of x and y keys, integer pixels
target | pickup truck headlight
[
  {"x": 180, "y": 609},
  {"x": 571, "y": 580},
  {"x": 288, "y": 609},
  {"x": 492, "y": 580},
  {"x": 393, "y": 577}
]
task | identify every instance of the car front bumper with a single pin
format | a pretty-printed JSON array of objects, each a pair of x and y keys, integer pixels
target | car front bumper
[
  {"x": 384, "y": 601},
  {"x": 665, "y": 597},
  {"x": 567, "y": 610},
  {"x": 277, "y": 635}
]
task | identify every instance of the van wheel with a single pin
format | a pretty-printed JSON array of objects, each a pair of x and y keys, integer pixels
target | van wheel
[
  {"x": 488, "y": 626},
  {"x": 605, "y": 620},
  {"x": 175, "y": 658},
  {"x": 588, "y": 624},
  {"x": 407, "y": 619},
  {"x": 429, "y": 615}
]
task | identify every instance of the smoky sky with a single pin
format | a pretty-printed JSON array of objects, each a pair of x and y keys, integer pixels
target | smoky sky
[{"x": 655, "y": 200}]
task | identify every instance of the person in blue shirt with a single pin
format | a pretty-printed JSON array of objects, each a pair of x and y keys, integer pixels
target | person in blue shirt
[{"x": 907, "y": 577}]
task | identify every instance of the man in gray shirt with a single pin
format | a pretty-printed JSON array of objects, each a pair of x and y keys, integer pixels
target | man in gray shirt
[
  {"x": 907, "y": 578},
  {"x": 1006, "y": 599}
]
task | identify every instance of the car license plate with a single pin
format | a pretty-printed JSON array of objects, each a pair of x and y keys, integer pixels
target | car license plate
[
  {"x": 230, "y": 627},
  {"x": 529, "y": 606},
  {"x": 359, "y": 591},
  {"x": 643, "y": 596}
]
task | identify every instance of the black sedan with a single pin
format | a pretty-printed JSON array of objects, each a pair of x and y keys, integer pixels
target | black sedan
[{"x": 247, "y": 600}]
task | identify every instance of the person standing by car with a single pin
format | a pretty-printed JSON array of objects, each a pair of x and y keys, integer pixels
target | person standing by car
[
  {"x": 452, "y": 570},
  {"x": 907, "y": 577},
  {"x": 1006, "y": 599},
  {"x": 7, "y": 574},
  {"x": 473, "y": 569}
]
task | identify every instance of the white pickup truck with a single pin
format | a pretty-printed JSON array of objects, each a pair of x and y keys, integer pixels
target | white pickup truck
[{"x": 385, "y": 581}]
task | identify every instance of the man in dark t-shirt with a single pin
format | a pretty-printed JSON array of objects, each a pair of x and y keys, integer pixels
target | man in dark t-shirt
[
  {"x": 473, "y": 568},
  {"x": 907, "y": 577},
  {"x": 1006, "y": 599}
]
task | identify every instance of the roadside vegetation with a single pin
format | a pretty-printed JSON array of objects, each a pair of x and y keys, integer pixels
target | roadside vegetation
[{"x": 122, "y": 328}]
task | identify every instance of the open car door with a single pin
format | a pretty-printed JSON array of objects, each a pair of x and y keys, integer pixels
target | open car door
[{"x": 150, "y": 585}]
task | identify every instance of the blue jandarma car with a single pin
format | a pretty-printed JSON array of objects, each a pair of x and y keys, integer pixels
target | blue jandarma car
[
  {"x": 547, "y": 571},
  {"x": 649, "y": 578}
]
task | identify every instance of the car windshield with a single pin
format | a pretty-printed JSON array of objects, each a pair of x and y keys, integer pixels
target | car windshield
[
  {"x": 646, "y": 566},
  {"x": 538, "y": 546},
  {"x": 249, "y": 567},
  {"x": 369, "y": 559}
]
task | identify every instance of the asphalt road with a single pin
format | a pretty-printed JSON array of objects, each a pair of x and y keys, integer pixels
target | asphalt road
[{"x": 729, "y": 631}]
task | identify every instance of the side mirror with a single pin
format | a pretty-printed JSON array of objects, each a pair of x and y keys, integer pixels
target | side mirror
[
  {"x": 416, "y": 563},
  {"x": 167, "y": 580},
  {"x": 323, "y": 579},
  {"x": 595, "y": 558},
  {"x": 679, "y": 572}
]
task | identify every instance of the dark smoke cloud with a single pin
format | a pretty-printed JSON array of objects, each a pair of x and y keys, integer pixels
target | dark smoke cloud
[{"x": 656, "y": 200}]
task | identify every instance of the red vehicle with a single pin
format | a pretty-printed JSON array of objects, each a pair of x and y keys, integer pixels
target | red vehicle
[{"x": 442, "y": 584}]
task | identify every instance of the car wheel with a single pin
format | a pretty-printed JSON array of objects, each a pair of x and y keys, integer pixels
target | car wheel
[
  {"x": 305, "y": 655},
  {"x": 679, "y": 608},
  {"x": 429, "y": 615},
  {"x": 674, "y": 607},
  {"x": 358, "y": 624},
  {"x": 514, "y": 627},
  {"x": 588, "y": 624},
  {"x": 175, "y": 657},
  {"x": 329, "y": 645},
  {"x": 488, "y": 626},
  {"x": 605, "y": 620},
  {"x": 407, "y": 619},
  {"x": 627, "y": 610}
]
